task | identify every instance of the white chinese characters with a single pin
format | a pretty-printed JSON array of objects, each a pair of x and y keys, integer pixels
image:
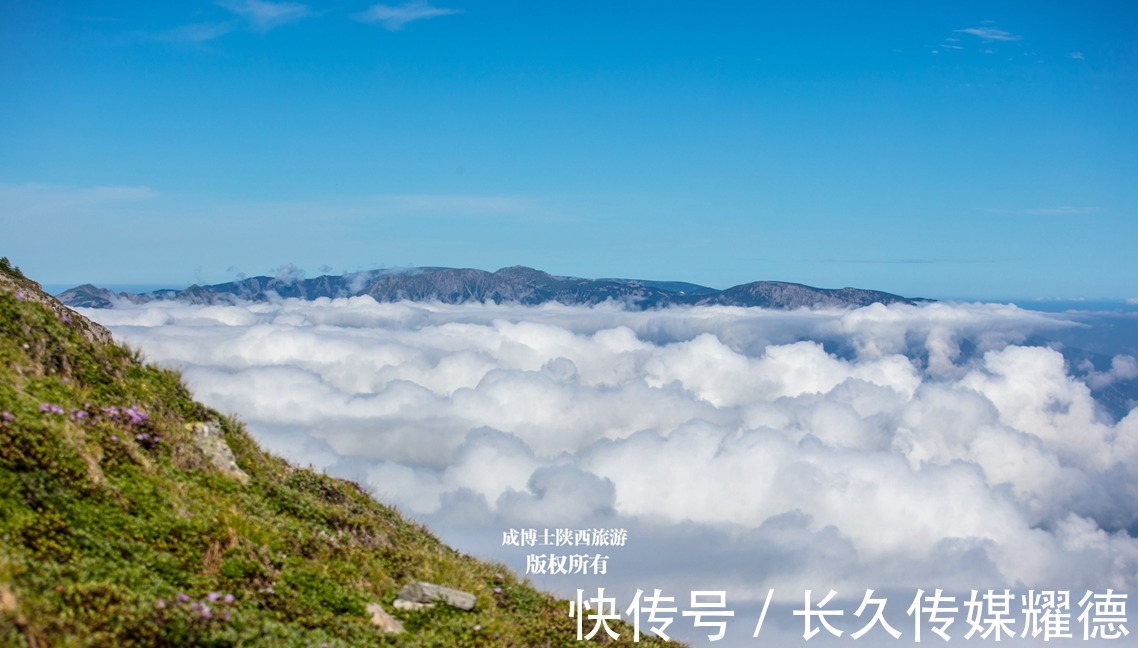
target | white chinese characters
[{"x": 988, "y": 615}]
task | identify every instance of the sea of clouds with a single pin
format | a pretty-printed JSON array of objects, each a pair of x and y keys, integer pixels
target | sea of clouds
[{"x": 894, "y": 448}]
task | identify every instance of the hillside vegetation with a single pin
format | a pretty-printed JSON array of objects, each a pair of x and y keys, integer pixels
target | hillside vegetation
[{"x": 120, "y": 525}]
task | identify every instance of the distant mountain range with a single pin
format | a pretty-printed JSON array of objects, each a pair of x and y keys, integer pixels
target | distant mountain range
[{"x": 517, "y": 284}]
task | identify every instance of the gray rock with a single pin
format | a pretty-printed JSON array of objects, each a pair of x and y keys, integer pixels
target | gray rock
[
  {"x": 426, "y": 593},
  {"x": 411, "y": 606},
  {"x": 382, "y": 620},
  {"x": 211, "y": 441}
]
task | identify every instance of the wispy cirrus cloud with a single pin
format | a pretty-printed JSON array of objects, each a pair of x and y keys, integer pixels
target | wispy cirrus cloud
[
  {"x": 990, "y": 34},
  {"x": 258, "y": 15},
  {"x": 1060, "y": 210},
  {"x": 202, "y": 32},
  {"x": 263, "y": 15},
  {"x": 38, "y": 198},
  {"x": 394, "y": 17},
  {"x": 951, "y": 43},
  {"x": 909, "y": 261}
]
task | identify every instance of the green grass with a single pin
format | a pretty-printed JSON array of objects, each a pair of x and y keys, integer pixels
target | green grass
[{"x": 111, "y": 538}]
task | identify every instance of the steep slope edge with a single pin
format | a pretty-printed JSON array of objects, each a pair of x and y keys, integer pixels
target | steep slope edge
[{"x": 121, "y": 525}]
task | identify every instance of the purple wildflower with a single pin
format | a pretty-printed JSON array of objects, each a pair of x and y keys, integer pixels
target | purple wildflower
[
  {"x": 65, "y": 318},
  {"x": 160, "y": 604},
  {"x": 51, "y": 408},
  {"x": 114, "y": 438},
  {"x": 477, "y": 627},
  {"x": 205, "y": 611},
  {"x": 19, "y": 296},
  {"x": 136, "y": 416},
  {"x": 213, "y": 596},
  {"x": 228, "y": 598},
  {"x": 182, "y": 598},
  {"x": 7, "y": 417},
  {"x": 78, "y": 415},
  {"x": 112, "y": 413},
  {"x": 497, "y": 590}
]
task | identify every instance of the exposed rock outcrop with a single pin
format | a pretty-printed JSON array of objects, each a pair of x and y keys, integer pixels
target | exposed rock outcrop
[
  {"x": 384, "y": 621},
  {"x": 209, "y": 438},
  {"x": 422, "y": 594}
]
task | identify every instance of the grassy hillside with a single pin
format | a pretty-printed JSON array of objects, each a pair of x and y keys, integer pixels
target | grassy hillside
[{"x": 119, "y": 526}]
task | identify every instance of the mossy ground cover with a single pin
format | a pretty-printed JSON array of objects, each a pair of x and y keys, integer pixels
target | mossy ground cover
[{"x": 115, "y": 530}]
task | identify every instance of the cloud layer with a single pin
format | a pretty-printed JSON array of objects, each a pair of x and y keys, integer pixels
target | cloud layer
[{"x": 885, "y": 447}]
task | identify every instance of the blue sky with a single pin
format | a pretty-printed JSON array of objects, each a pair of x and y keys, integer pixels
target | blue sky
[{"x": 957, "y": 150}]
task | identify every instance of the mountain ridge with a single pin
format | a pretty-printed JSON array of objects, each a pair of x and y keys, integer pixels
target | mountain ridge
[{"x": 514, "y": 284}]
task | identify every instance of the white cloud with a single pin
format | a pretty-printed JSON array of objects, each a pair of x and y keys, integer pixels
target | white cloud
[
  {"x": 263, "y": 15},
  {"x": 34, "y": 198},
  {"x": 885, "y": 447},
  {"x": 259, "y": 15},
  {"x": 990, "y": 34},
  {"x": 1122, "y": 367},
  {"x": 288, "y": 274},
  {"x": 202, "y": 32},
  {"x": 395, "y": 17}
]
